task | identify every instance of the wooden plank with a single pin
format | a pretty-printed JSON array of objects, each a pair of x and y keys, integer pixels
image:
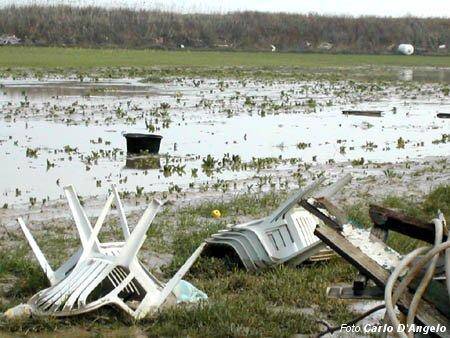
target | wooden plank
[
  {"x": 341, "y": 216},
  {"x": 372, "y": 113},
  {"x": 319, "y": 214},
  {"x": 397, "y": 221},
  {"x": 443, "y": 115},
  {"x": 353, "y": 255},
  {"x": 426, "y": 313}
]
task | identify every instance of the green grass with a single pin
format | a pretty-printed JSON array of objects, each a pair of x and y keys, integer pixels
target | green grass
[
  {"x": 269, "y": 302},
  {"x": 55, "y": 57}
]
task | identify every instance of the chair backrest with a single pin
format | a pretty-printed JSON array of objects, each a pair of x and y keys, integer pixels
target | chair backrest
[
  {"x": 289, "y": 229},
  {"x": 294, "y": 199}
]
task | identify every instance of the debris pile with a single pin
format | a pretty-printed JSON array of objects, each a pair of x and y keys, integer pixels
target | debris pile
[
  {"x": 9, "y": 40},
  {"x": 421, "y": 294},
  {"x": 304, "y": 226}
]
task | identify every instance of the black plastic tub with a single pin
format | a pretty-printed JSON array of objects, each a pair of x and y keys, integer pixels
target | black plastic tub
[{"x": 142, "y": 143}]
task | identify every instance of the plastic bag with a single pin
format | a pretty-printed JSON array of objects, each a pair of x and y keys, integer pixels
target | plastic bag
[{"x": 185, "y": 292}]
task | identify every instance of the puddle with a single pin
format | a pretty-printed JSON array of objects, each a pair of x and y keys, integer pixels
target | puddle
[
  {"x": 214, "y": 132},
  {"x": 43, "y": 89}
]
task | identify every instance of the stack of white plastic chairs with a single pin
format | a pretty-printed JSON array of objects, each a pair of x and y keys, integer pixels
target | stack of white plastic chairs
[
  {"x": 285, "y": 236},
  {"x": 110, "y": 273}
]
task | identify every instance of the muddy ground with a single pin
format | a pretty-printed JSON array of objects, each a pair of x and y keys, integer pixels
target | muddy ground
[{"x": 371, "y": 183}]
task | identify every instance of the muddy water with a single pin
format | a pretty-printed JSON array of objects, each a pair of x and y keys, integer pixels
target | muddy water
[{"x": 60, "y": 132}]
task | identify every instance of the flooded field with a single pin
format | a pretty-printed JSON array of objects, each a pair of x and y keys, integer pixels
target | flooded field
[{"x": 217, "y": 134}]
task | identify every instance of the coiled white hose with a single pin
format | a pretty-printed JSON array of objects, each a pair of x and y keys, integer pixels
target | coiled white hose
[{"x": 430, "y": 257}]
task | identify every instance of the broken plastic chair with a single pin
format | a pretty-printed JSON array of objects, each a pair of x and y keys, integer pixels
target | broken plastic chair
[
  {"x": 285, "y": 236},
  {"x": 105, "y": 273}
]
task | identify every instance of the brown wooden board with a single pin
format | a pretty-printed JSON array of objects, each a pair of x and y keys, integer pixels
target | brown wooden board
[
  {"x": 316, "y": 212},
  {"x": 373, "y": 113},
  {"x": 399, "y": 222}
]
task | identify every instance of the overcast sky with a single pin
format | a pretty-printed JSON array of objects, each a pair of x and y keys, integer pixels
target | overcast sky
[{"x": 347, "y": 7}]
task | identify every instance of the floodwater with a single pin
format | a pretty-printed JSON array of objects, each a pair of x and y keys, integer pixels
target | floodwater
[{"x": 56, "y": 132}]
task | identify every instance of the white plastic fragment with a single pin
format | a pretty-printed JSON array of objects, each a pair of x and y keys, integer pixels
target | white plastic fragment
[
  {"x": 376, "y": 250},
  {"x": 406, "y": 49}
]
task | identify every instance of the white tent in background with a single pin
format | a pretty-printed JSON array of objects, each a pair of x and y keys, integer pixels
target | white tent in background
[{"x": 405, "y": 49}]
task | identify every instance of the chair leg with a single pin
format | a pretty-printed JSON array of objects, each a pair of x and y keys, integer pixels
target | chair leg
[
  {"x": 294, "y": 199},
  {"x": 38, "y": 253},
  {"x": 93, "y": 238},
  {"x": 180, "y": 274},
  {"x": 137, "y": 237},
  {"x": 149, "y": 302},
  {"x": 81, "y": 221},
  {"x": 123, "y": 219}
]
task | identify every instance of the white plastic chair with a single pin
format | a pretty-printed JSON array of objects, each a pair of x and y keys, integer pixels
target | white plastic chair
[
  {"x": 84, "y": 230},
  {"x": 286, "y": 234},
  {"x": 103, "y": 273}
]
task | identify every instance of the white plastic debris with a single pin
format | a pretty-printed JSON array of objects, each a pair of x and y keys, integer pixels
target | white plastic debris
[
  {"x": 325, "y": 46},
  {"x": 377, "y": 250},
  {"x": 19, "y": 311},
  {"x": 406, "y": 49}
]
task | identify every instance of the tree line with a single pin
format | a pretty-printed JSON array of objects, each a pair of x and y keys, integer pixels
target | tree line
[{"x": 127, "y": 28}]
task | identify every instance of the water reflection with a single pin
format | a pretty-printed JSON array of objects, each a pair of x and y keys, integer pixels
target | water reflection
[
  {"x": 145, "y": 162},
  {"x": 424, "y": 75},
  {"x": 406, "y": 75}
]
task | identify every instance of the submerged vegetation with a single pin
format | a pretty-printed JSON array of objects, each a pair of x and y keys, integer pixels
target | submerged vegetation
[{"x": 205, "y": 111}]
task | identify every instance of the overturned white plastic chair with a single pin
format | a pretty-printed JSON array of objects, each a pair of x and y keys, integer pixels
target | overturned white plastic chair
[
  {"x": 84, "y": 229},
  {"x": 104, "y": 273},
  {"x": 285, "y": 236}
]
